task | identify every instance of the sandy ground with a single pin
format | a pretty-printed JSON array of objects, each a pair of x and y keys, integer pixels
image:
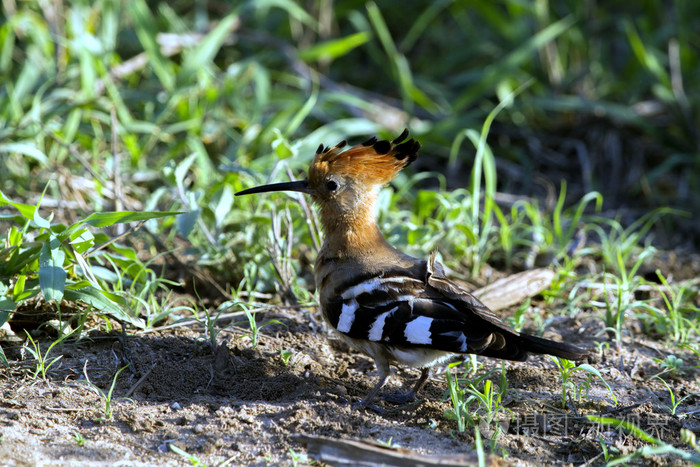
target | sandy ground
[{"x": 245, "y": 406}]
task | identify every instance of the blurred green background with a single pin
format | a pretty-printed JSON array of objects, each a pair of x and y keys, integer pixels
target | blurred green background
[{"x": 135, "y": 105}]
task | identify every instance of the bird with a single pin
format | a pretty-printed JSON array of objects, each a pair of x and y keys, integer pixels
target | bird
[{"x": 395, "y": 308}]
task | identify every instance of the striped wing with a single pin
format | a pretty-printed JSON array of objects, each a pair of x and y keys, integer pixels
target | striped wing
[{"x": 420, "y": 307}]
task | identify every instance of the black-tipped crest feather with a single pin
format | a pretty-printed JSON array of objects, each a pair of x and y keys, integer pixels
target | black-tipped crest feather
[
  {"x": 401, "y": 137},
  {"x": 370, "y": 141},
  {"x": 382, "y": 147},
  {"x": 408, "y": 149}
]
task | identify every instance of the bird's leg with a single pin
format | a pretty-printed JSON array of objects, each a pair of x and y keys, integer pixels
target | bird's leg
[
  {"x": 410, "y": 396},
  {"x": 384, "y": 372},
  {"x": 372, "y": 394}
]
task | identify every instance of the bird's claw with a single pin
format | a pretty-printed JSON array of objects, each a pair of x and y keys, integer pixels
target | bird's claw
[
  {"x": 362, "y": 404},
  {"x": 399, "y": 398}
]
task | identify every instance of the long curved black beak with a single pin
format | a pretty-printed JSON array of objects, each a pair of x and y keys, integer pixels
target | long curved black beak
[{"x": 301, "y": 186}]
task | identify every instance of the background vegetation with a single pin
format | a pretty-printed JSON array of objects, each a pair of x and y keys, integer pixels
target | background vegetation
[{"x": 142, "y": 106}]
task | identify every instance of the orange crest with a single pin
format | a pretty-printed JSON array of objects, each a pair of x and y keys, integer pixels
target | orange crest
[{"x": 373, "y": 162}]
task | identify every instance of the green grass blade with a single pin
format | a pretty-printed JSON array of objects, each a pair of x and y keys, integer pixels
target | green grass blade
[
  {"x": 410, "y": 93},
  {"x": 629, "y": 427},
  {"x": 645, "y": 57},
  {"x": 52, "y": 276},
  {"x": 304, "y": 112},
  {"x": 481, "y": 151},
  {"x": 292, "y": 8},
  {"x": 512, "y": 61},
  {"x": 423, "y": 20},
  {"x": 590, "y": 369},
  {"x": 203, "y": 54},
  {"x": 335, "y": 48},
  {"x": 146, "y": 25},
  {"x": 104, "y": 219},
  {"x": 98, "y": 299},
  {"x": 26, "y": 148},
  {"x": 27, "y": 210}
]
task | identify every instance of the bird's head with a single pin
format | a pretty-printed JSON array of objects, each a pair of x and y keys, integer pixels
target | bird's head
[{"x": 344, "y": 183}]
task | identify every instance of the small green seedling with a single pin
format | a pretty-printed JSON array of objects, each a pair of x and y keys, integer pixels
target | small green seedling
[
  {"x": 608, "y": 452},
  {"x": 567, "y": 368},
  {"x": 518, "y": 319},
  {"x": 254, "y": 334},
  {"x": 210, "y": 320},
  {"x": 460, "y": 402},
  {"x": 677, "y": 319},
  {"x": 193, "y": 459},
  {"x": 107, "y": 397},
  {"x": 696, "y": 350},
  {"x": 488, "y": 397},
  {"x": 286, "y": 356},
  {"x": 388, "y": 443},
  {"x": 78, "y": 438},
  {"x": 43, "y": 362},
  {"x": 298, "y": 458},
  {"x": 675, "y": 403},
  {"x": 689, "y": 437},
  {"x": 671, "y": 364}
]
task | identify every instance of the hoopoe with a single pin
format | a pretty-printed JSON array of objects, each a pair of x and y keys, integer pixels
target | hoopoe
[{"x": 395, "y": 308}]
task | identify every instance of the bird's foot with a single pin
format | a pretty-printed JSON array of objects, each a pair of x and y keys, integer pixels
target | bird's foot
[
  {"x": 399, "y": 398},
  {"x": 364, "y": 404}
]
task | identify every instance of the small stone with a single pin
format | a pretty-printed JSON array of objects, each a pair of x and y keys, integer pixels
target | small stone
[
  {"x": 246, "y": 418},
  {"x": 175, "y": 406},
  {"x": 171, "y": 435}
]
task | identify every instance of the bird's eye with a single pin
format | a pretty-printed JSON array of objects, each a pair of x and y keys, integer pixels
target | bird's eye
[{"x": 332, "y": 185}]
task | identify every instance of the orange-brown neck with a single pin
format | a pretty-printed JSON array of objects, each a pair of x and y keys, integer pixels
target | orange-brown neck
[
  {"x": 350, "y": 232},
  {"x": 353, "y": 233}
]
